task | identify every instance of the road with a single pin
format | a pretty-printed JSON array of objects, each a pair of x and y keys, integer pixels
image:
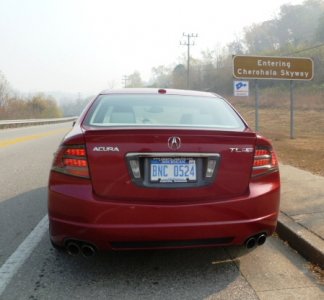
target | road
[{"x": 272, "y": 271}]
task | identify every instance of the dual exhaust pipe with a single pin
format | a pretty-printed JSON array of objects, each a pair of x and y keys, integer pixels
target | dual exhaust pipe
[
  {"x": 256, "y": 240},
  {"x": 75, "y": 248}
]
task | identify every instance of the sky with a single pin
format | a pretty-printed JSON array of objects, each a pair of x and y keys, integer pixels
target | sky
[{"x": 85, "y": 46}]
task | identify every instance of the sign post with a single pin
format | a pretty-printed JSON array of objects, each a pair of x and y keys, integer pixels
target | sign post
[
  {"x": 256, "y": 105},
  {"x": 273, "y": 67},
  {"x": 292, "y": 133}
]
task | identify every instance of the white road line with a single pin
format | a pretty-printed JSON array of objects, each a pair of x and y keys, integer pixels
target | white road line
[{"x": 16, "y": 260}]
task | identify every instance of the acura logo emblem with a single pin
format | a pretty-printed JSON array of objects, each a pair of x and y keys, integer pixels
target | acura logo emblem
[{"x": 174, "y": 143}]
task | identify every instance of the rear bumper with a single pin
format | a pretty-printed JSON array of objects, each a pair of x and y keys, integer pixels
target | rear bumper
[
  {"x": 105, "y": 237},
  {"x": 75, "y": 213}
]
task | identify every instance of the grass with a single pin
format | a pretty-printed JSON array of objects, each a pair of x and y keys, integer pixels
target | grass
[{"x": 306, "y": 150}]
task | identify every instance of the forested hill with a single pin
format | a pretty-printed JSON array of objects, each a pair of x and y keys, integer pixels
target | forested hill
[{"x": 297, "y": 30}]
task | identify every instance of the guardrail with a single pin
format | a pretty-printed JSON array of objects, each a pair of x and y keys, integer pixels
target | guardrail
[{"x": 32, "y": 122}]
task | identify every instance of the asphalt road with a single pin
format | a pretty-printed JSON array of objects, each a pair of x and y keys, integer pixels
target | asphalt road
[{"x": 272, "y": 271}]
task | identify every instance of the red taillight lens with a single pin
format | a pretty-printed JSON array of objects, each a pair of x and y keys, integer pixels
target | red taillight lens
[
  {"x": 262, "y": 157},
  {"x": 75, "y": 151},
  {"x": 265, "y": 161},
  {"x": 72, "y": 160}
]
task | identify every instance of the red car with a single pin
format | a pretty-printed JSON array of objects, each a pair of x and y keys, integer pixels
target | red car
[{"x": 161, "y": 168}]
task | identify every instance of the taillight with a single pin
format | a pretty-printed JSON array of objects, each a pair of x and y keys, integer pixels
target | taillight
[
  {"x": 72, "y": 160},
  {"x": 265, "y": 161}
]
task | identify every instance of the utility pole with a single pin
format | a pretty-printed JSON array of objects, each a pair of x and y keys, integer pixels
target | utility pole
[
  {"x": 125, "y": 79},
  {"x": 188, "y": 44}
]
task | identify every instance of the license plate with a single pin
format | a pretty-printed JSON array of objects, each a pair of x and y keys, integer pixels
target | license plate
[{"x": 173, "y": 170}]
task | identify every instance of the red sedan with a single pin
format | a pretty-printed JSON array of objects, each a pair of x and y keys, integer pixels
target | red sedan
[{"x": 156, "y": 168}]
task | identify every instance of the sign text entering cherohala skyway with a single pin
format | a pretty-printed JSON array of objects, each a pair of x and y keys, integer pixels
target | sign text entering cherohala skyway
[{"x": 272, "y": 67}]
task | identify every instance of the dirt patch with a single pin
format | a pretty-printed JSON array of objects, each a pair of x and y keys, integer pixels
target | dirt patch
[
  {"x": 306, "y": 150},
  {"x": 318, "y": 272}
]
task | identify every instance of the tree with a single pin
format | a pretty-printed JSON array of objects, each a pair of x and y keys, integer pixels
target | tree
[
  {"x": 74, "y": 107},
  {"x": 179, "y": 77},
  {"x": 295, "y": 26},
  {"x": 42, "y": 106},
  {"x": 16, "y": 108},
  {"x": 134, "y": 80},
  {"x": 320, "y": 29},
  {"x": 161, "y": 77},
  {"x": 235, "y": 47},
  {"x": 4, "y": 90},
  {"x": 261, "y": 37},
  {"x": 13, "y": 106},
  {"x": 298, "y": 23}
]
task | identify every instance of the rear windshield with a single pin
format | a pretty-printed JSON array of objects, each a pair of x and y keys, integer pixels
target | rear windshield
[{"x": 162, "y": 111}]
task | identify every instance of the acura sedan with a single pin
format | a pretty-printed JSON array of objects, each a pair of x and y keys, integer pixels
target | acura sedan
[{"x": 161, "y": 168}]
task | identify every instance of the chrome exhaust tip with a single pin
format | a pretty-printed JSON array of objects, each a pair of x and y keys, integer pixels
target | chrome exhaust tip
[
  {"x": 73, "y": 248},
  {"x": 250, "y": 242},
  {"x": 87, "y": 250},
  {"x": 261, "y": 239}
]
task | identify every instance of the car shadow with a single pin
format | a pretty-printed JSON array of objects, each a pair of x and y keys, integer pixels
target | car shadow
[
  {"x": 150, "y": 274},
  {"x": 158, "y": 274}
]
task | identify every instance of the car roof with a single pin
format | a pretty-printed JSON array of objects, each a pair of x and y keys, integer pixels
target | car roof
[{"x": 155, "y": 91}]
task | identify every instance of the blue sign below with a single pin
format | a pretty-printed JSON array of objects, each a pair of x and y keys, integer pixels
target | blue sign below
[{"x": 241, "y": 88}]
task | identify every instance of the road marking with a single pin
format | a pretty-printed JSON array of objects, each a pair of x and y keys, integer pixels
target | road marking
[
  {"x": 6, "y": 143},
  {"x": 16, "y": 260}
]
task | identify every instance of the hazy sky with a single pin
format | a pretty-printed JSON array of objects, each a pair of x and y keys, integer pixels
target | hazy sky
[{"x": 88, "y": 45}]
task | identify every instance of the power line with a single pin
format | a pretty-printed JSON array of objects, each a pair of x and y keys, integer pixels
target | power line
[
  {"x": 188, "y": 44},
  {"x": 306, "y": 49}
]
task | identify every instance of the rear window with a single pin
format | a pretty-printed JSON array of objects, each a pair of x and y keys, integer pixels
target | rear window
[{"x": 162, "y": 111}]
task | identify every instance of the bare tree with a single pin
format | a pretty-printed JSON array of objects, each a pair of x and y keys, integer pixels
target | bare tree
[
  {"x": 134, "y": 80},
  {"x": 4, "y": 90}
]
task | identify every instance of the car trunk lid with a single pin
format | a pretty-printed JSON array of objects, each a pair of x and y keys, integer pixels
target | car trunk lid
[{"x": 109, "y": 153}]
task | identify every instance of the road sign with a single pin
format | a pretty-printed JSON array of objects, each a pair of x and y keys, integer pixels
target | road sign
[
  {"x": 273, "y": 67},
  {"x": 241, "y": 88}
]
